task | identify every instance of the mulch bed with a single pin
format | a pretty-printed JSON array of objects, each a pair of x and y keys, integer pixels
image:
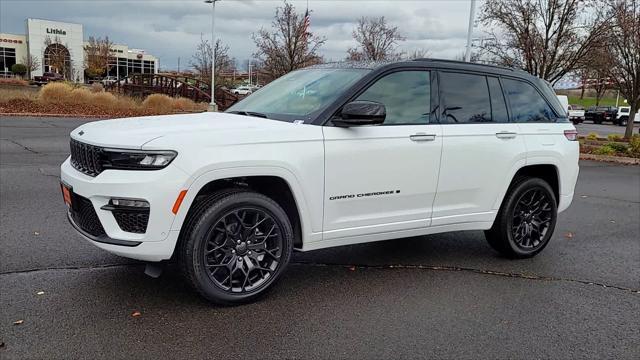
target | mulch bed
[{"x": 30, "y": 107}]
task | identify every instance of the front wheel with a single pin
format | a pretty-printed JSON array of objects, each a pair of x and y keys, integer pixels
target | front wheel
[
  {"x": 526, "y": 219},
  {"x": 623, "y": 121},
  {"x": 235, "y": 246}
]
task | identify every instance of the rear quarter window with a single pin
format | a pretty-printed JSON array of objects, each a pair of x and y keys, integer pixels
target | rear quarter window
[{"x": 527, "y": 105}]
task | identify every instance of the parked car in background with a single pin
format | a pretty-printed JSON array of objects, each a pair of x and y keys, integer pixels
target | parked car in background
[
  {"x": 623, "y": 116},
  {"x": 47, "y": 78},
  {"x": 576, "y": 114},
  {"x": 242, "y": 90},
  {"x": 108, "y": 80},
  {"x": 331, "y": 155},
  {"x": 600, "y": 114}
]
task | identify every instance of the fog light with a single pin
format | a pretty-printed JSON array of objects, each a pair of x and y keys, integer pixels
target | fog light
[{"x": 129, "y": 203}]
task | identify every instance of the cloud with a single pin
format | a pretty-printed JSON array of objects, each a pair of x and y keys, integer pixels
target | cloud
[{"x": 171, "y": 29}]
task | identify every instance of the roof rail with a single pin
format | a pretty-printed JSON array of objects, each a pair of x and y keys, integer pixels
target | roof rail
[{"x": 464, "y": 62}]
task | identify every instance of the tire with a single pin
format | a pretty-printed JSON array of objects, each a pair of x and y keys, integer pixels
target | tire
[
  {"x": 508, "y": 235},
  {"x": 623, "y": 121},
  {"x": 217, "y": 255}
]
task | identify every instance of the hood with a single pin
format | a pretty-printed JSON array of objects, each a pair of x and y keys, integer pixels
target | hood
[{"x": 135, "y": 132}]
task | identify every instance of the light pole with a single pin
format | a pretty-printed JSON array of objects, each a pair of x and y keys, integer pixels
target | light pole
[
  {"x": 212, "y": 104},
  {"x": 472, "y": 15}
]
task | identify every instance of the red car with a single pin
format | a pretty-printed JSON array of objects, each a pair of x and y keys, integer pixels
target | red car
[{"x": 46, "y": 78}]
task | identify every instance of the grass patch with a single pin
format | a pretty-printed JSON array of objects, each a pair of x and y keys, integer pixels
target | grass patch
[{"x": 590, "y": 101}]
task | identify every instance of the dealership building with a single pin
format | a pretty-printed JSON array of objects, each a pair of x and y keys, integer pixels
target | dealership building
[{"x": 45, "y": 40}]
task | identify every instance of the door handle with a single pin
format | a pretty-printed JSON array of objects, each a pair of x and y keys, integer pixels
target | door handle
[
  {"x": 422, "y": 137},
  {"x": 506, "y": 135}
]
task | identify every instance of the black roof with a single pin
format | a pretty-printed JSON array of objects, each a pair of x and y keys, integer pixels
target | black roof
[{"x": 372, "y": 65}]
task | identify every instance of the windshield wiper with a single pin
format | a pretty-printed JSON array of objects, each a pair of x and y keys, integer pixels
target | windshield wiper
[{"x": 249, "y": 113}]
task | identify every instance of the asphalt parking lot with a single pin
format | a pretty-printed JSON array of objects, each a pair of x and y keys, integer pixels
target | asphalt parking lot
[
  {"x": 440, "y": 296},
  {"x": 603, "y": 129}
]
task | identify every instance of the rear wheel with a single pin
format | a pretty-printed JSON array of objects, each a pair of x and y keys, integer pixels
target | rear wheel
[
  {"x": 526, "y": 219},
  {"x": 236, "y": 245}
]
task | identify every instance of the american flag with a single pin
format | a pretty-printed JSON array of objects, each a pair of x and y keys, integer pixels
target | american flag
[{"x": 306, "y": 24}]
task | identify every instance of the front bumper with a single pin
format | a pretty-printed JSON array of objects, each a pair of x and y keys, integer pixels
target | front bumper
[{"x": 159, "y": 188}]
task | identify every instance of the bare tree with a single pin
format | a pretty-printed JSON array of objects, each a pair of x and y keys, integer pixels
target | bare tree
[
  {"x": 31, "y": 62},
  {"x": 98, "y": 56},
  {"x": 624, "y": 50},
  {"x": 201, "y": 60},
  {"x": 547, "y": 38},
  {"x": 376, "y": 40},
  {"x": 288, "y": 45}
]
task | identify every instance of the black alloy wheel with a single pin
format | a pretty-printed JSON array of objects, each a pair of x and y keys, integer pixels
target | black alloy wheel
[
  {"x": 243, "y": 249},
  {"x": 531, "y": 219},
  {"x": 234, "y": 245},
  {"x": 526, "y": 219}
]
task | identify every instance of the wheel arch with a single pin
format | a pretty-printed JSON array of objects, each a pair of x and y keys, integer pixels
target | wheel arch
[
  {"x": 546, "y": 172},
  {"x": 278, "y": 184}
]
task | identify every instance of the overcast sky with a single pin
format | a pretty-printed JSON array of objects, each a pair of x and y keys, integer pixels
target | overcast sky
[{"x": 170, "y": 29}]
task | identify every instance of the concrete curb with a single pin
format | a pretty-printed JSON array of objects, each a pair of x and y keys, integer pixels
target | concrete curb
[{"x": 614, "y": 159}]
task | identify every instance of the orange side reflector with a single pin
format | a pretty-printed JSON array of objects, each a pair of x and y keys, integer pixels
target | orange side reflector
[{"x": 176, "y": 205}]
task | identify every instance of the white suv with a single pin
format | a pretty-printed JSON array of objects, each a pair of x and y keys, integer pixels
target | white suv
[{"x": 327, "y": 156}]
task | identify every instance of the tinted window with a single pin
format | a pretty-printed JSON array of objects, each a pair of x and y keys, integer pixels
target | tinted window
[
  {"x": 405, "y": 94},
  {"x": 498, "y": 104},
  {"x": 527, "y": 105},
  {"x": 466, "y": 98}
]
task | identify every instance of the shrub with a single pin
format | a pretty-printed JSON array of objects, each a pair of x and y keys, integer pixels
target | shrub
[
  {"x": 634, "y": 146},
  {"x": 618, "y": 147},
  {"x": 614, "y": 137},
  {"x": 81, "y": 96},
  {"x": 105, "y": 100},
  {"x": 592, "y": 136},
  {"x": 18, "y": 69},
  {"x": 13, "y": 81},
  {"x": 158, "y": 104},
  {"x": 56, "y": 93},
  {"x": 96, "y": 87},
  {"x": 605, "y": 150}
]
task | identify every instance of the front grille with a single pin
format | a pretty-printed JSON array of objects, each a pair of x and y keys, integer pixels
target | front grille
[
  {"x": 132, "y": 221},
  {"x": 84, "y": 215},
  {"x": 86, "y": 158}
]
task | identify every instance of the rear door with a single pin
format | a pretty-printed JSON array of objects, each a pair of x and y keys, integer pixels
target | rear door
[
  {"x": 383, "y": 178},
  {"x": 481, "y": 148},
  {"x": 534, "y": 117}
]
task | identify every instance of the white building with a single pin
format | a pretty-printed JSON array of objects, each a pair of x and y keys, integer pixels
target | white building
[{"x": 45, "y": 39}]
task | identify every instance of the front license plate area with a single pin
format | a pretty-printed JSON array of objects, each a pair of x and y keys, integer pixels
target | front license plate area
[{"x": 66, "y": 194}]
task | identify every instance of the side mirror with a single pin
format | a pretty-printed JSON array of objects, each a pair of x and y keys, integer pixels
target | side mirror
[{"x": 360, "y": 112}]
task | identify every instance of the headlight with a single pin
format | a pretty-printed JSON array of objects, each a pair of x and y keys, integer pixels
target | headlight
[{"x": 137, "y": 159}]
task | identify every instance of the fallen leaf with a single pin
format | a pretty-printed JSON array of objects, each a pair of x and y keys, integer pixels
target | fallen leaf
[
  {"x": 36, "y": 233},
  {"x": 569, "y": 235},
  {"x": 136, "y": 314},
  {"x": 40, "y": 293},
  {"x": 18, "y": 322}
]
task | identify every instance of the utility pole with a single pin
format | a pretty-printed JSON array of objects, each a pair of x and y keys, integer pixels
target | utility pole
[
  {"x": 212, "y": 104},
  {"x": 472, "y": 15}
]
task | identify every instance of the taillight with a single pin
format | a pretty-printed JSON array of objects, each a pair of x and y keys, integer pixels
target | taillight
[{"x": 571, "y": 135}]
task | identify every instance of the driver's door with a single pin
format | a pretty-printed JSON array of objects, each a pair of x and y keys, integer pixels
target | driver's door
[{"x": 383, "y": 178}]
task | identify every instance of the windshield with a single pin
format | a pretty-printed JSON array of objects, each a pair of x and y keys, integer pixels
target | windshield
[{"x": 299, "y": 94}]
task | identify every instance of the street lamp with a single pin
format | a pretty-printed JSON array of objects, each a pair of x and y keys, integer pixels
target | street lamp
[
  {"x": 472, "y": 13},
  {"x": 212, "y": 105}
]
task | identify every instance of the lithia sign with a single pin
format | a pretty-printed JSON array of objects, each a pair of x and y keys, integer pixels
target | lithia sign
[{"x": 56, "y": 31}]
